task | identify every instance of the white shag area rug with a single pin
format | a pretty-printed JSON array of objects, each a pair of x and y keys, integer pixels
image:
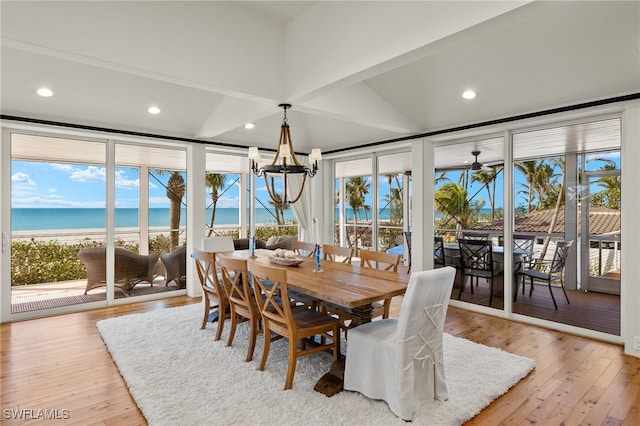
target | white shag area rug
[{"x": 179, "y": 375}]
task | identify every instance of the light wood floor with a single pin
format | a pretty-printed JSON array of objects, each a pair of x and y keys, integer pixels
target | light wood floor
[{"x": 60, "y": 363}]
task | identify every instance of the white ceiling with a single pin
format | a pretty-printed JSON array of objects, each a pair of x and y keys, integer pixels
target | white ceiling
[{"x": 356, "y": 72}]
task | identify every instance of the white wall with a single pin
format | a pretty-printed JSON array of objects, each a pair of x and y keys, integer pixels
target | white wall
[{"x": 630, "y": 275}]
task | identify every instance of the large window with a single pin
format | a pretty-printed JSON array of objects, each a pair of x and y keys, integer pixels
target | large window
[
  {"x": 373, "y": 209},
  {"x": 567, "y": 188},
  {"x": 62, "y": 218},
  {"x": 469, "y": 204}
]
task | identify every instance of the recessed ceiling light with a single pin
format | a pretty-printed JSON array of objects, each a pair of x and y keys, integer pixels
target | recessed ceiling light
[
  {"x": 44, "y": 92},
  {"x": 470, "y": 94},
  {"x": 154, "y": 110},
  {"x": 249, "y": 126}
]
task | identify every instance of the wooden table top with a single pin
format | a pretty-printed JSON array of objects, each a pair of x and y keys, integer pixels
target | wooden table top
[{"x": 349, "y": 286}]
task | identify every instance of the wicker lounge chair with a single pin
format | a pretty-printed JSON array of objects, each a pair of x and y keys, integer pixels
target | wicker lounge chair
[
  {"x": 130, "y": 268},
  {"x": 175, "y": 266}
]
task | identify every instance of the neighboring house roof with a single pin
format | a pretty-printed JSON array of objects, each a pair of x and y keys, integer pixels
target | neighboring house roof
[{"x": 601, "y": 221}]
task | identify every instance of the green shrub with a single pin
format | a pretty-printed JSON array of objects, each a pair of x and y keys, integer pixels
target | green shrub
[{"x": 47, "y": 261}]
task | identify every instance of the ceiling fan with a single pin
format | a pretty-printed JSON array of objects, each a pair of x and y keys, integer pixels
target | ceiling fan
[{"x": 475, "y": 166}]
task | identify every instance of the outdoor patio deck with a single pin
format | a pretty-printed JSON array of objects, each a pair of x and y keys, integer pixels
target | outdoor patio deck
[{"x": 64, "y": 293}]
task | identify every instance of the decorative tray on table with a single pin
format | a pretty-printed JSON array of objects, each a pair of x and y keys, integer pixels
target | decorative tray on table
[{"x": 285, "y": 262}]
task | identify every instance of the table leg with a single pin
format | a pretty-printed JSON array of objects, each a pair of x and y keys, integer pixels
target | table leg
[
  {"x": 361, "y": 315},
  {"x": 331, "y": 383}
]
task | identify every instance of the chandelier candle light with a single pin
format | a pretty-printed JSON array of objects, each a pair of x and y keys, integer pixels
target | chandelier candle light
[{"x": 285, "y": 163}]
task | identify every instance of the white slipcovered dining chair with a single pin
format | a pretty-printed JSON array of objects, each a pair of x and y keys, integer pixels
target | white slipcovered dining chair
[{"x": 401, "y": 360}]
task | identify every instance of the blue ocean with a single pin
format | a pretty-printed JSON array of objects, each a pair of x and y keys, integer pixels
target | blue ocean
[{"x": 37, "y": 219}]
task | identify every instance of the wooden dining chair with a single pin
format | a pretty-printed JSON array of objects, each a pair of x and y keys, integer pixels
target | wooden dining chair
[
  {"x": 333, "y": 253},
  {"x": 295, "y": 324},
  {"x": 302, "y": 248},
  {"x": 241, "y": 300},
  {"x": 380, "y": 260},
  {"x": 372, "y": 260},
  {"x": 213, "y": 293}
]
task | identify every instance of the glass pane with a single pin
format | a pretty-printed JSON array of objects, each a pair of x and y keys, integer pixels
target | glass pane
[
  {"x": 567, "y": 188},
  {"x": 58, "y": 198},
  {"x": 167, "y": 219},
  {"x": 469, "y": 204}
]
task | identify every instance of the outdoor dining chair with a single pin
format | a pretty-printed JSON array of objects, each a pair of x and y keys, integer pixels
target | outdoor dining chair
[
  {"x": 438, "y": 252},
  {"x": 523, "y": 247},
  {"x": 550, "y": 271},
  {"x": 476, "y": 257}
]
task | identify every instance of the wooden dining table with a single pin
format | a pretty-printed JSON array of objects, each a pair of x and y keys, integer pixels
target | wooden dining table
[{"x": 349, "y": 286}]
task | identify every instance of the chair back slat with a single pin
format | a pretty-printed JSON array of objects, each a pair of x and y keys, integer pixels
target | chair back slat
[
  {"x": 333, "y": 253},
  {"x": 234, "y": 277},
  {"x": 271, "y": 294},
  {"x": 302, "y": 248},
  {"x": 470, "y": 235},
  {"x": 207, "y": 272},
  {"x": 379, "y": 260},
  {"x": 476, "y": 254},
  {"x": 560, "y": 256}
]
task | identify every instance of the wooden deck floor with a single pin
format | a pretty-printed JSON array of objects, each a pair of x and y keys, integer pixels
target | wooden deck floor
[
  {"x": 61, "y": 363},
  {"x": 590, "y": 310}
]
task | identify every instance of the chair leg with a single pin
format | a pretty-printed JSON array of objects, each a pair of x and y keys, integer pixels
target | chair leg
[
  {"x": 206, "y": 311},
  {"x": 462, "y": 283},
  {"x": 222, "y": 315},
  {"x": 387, "y": 306},
  {"x": 565, "y": 293},
  {"x": 530, "y": 286},
  {"x": 253, "y": 336},
  {"x": 234, "y": 323},
  {"x": 267, "y": 344},
  {"x": 490, "y": 291},
  {"x": 293, "y": 360},
  {"x": 552, "y": 297}
]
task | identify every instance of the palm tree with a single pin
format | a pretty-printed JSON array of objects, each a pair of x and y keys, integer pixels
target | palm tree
[
  {"x": 545, "y": 183},
  {"x": 279, "y": 208},
  {"x": 528, "y": 169},
  {"x": 611, "y": 184},
  {"x": 486, "y": 178},
  {"x": 356, "y": 189},
  {"x": 451, "y": 201},
  {"x": 559, "y": 162},
  {"x": 216, "y": 182},
  {"x": 175, "y": 192}
]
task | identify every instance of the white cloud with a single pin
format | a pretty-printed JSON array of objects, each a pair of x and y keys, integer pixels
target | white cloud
[
  {"x": 90, "y": 174},
  {"x": 123, "y": 182},
  {"x": 22, "y": 178},
  {"x": 22, "y": 185},
  {"x": 61, "y": 167}
]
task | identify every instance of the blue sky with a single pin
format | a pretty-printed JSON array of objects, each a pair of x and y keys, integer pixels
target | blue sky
[{"x": 57, "y": 185}]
